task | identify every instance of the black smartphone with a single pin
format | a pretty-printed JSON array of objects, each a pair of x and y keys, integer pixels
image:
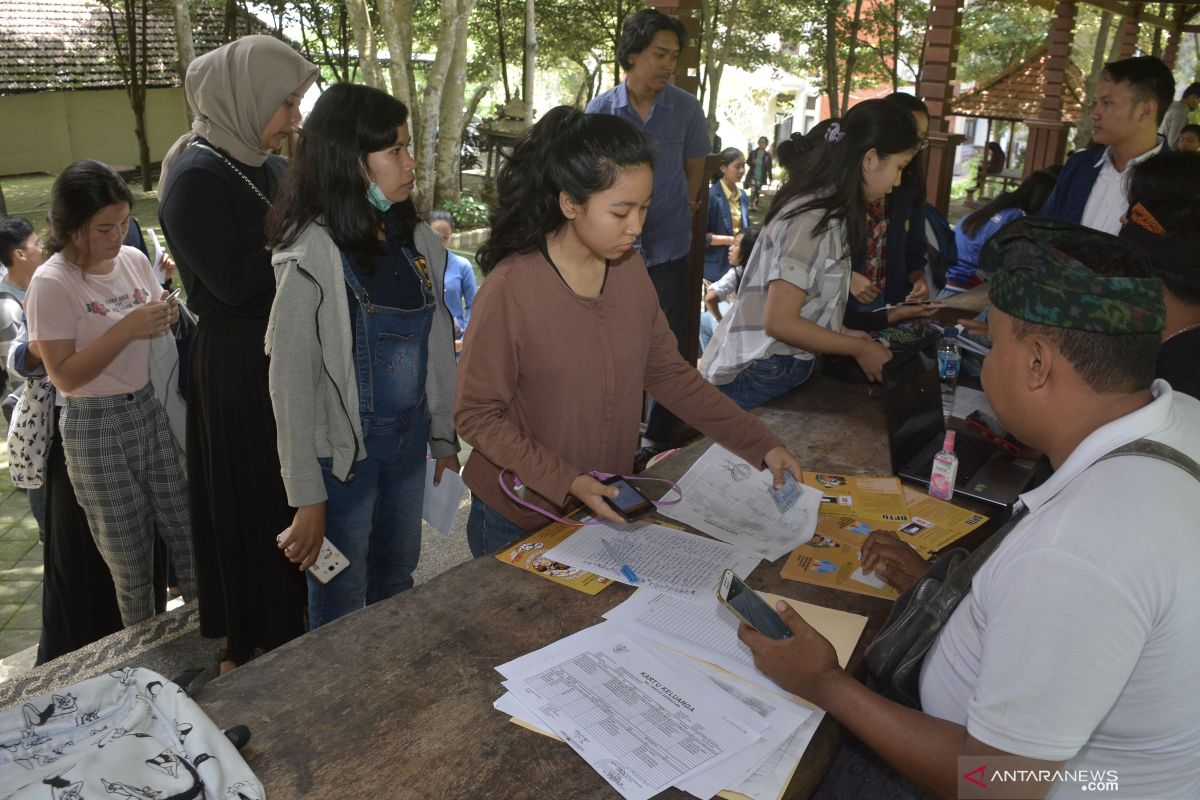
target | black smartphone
[
  {"x": 629, "y": 502},
  {"x": 751, "y": 609}
]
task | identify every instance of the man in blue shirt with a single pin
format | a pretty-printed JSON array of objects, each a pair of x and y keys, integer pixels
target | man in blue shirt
[
  {"x": 674, "y": 123},
  {"x": 460, "y": 284}
]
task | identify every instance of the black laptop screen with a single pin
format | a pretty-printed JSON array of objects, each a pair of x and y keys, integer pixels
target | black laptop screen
[{"x": 913, "y": 399}]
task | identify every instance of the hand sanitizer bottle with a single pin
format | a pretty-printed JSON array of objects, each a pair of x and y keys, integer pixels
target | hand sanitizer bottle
[{"x": 945, "y": 470}]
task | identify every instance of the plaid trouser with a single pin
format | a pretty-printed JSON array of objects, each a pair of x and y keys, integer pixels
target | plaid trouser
[{"x": 130, "y": 482}]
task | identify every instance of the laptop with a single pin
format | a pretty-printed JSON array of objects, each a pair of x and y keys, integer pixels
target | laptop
[{"x": 916, "y": 430}]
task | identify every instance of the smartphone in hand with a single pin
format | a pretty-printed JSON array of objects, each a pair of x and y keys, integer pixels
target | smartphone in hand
[
  {"x": 751, "y": 609},
  {"x": 629, "y": 503}
]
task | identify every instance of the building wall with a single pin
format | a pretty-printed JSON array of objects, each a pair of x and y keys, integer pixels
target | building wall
[{"x": 45, "y": 132}]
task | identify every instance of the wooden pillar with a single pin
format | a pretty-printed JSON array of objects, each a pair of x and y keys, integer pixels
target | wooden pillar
[
  {"x": 938, "y": 70},
  {"x": 687, "y": 77},
  {"x": 1171, "y": 52},
  {"x": 1127, "y": 37},
  {"x": 1047, "y": 132}
]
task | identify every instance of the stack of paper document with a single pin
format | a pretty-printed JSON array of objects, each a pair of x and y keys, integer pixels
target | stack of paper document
[
  {"x": 730, "y": 500},
  {"x": 664, "y": 694},
  {"x": 663, "y": 559}
]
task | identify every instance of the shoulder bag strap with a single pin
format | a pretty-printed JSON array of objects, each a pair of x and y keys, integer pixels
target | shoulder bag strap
[{"x": 962, "y": 575}]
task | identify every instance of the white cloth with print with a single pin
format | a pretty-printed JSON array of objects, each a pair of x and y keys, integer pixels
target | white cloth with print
[{"x": 130, "y": 733}]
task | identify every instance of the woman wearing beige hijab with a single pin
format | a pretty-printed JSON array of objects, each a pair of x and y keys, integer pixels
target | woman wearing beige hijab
[{"x": 216, "y": 189}]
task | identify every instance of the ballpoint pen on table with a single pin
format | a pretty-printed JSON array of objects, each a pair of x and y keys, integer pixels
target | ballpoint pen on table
[{"x": 629, "y": 574}]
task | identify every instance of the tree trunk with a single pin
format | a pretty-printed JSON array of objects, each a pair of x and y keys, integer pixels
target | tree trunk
[
  {"x": 831, "y": 64},
  {"x": 896, "y": 47},
  {"x": 583, "y": 94},
  {"x": 396, "y": 18},
  {"x": 1083, "y": 131},
  {"x": 231, "y": 15},
  {"x": 183, "y": 35},
  {"x": 452, "y": 11},
  {"x": 501, "y": 45},
  {"x": 134, "y": 63},
  {"x": 450, "y": 121},
  {"x": 852, "y": 55},
  {"x": 1158, "y": 32},
  {"x": 529, "y": 67},
  {"x": 717, "y": 68},
  {"x": 473, "y": 104},
  {"x": 364, "y": 40}
]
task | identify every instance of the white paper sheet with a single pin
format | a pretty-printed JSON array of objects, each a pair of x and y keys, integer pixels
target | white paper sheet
[
  {"x": 779, "y": 716},
  {"x": 727, "y": 498},
  {"x": 441, "y": 502},
  {"x": 157, "y": 260},
  {"x": 870, "y": 579},
  {"x": 773, "y": 774},
  {"x": 967, "y": 400},
  {"x": 764, "y": 768},
  {"x": 707, "y": 631},
  {"x": 641, "y": 724},
  {"x": 664, "y": 559}
]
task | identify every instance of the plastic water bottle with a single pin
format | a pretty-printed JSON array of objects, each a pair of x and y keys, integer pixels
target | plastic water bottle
[
  {"x": 945, "y": 470},
  {"x": 949, "y": 359}
]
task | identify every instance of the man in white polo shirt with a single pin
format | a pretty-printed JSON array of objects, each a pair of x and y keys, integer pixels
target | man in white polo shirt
[
  {"x": 1073, "y": 654},
  {"x": 1131, "y": 98}
]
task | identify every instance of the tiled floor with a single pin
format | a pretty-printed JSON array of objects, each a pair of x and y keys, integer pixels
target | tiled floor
[{"x": 20, "y": 568}]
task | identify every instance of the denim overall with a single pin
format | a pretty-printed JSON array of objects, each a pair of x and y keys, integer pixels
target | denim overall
[{"x": 375, "y": 517}]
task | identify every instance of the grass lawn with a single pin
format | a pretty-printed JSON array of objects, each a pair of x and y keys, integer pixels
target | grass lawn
[{"x": 29, "y": 196}]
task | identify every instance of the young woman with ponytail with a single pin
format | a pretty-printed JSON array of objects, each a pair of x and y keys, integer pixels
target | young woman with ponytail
[
  {"x": 794, "y": 291},
  {"x": 566, "y": 334}
]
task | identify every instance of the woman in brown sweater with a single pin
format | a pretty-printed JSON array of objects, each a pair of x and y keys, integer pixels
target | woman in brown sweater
[{"x": 566, "y": 334}]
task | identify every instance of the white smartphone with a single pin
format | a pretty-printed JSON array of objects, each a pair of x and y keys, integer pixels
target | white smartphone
[
  {"x": 173, "y": 295},
  {"x": 751, "y": 609},
  {"x": 329, "y": 564},
  {"x": 330, "y": 561}
]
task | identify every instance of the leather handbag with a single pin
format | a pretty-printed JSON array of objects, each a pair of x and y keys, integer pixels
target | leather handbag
[{"x": 895, "y": 657}]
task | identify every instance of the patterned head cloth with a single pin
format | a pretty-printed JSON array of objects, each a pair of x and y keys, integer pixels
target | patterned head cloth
[{"x": 1039, "y": 275}]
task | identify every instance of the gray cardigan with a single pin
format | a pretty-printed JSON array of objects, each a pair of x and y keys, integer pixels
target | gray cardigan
[{"x": 313, "y": 388}]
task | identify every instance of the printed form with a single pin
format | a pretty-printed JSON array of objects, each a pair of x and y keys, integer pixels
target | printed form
[
  {"x": 708, "y": 631},
  {"x": 664, "y": 559},
  {"x": 730, "y": 500},
  {"x": 641, "y": 724},
  {"x": 761, "y": 771}
]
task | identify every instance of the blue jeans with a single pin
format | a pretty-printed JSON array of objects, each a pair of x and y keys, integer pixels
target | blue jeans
[
  {"x": 488, "y": 530},
  {"x": 670, "y": 280},
  {"x": 708, "y": 324},
  {"x": 766, "y": 379},
  {"x": 375, "y": 520}
]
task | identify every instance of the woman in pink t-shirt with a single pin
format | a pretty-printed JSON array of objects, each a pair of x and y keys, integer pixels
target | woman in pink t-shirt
[{"x": 93, "y": 309}]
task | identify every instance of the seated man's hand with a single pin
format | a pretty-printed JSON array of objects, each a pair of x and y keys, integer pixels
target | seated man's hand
[
  {"x": 800, "y": 665},
  {"x": 893, "y": 559}
]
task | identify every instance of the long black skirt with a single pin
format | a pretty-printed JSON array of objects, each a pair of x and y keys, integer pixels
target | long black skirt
[{"x": 248, "y": 590}]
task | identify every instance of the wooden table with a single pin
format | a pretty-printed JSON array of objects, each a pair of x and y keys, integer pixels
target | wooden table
[{"x": 395, "y": 701}]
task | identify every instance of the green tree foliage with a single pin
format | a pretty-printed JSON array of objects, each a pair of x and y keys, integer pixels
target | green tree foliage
[{"x": 996, "y": 33}]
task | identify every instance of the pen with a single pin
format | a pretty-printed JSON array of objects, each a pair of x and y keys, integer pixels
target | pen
[{"x": 629, "y": 574}]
